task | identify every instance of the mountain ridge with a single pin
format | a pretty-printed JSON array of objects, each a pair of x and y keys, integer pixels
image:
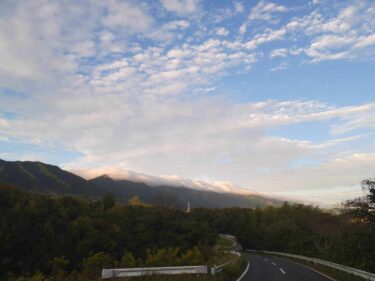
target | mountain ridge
[
  {"x": 164, "y": 180},
  {"x": 46, "y": 178}
]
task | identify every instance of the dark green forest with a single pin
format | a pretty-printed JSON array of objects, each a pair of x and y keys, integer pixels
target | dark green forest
[
  {"x": 66, "y": 235},
  {"x": 63, "y": 233}
]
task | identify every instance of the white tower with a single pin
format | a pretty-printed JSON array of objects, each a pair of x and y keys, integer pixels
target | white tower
[{"x": 188, "y": 208}]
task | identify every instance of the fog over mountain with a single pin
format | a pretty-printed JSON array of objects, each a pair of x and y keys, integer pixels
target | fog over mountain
[
  {"x": 169, "y": 180},
  {"x": 44, "y": 178}
]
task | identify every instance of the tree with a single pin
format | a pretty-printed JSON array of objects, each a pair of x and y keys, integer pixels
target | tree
[
  {"x": 128, "y": 260},
  {"x": 369, "y": 186},
  {"x": 108, "y": 201},
  {"x": 59, "y": 266},
  {"x": 93, "y": 265},
  {"x": 136, "y": 201},
  {"x": 192, "y": 257},
  {"x": 363, "y": 208}
]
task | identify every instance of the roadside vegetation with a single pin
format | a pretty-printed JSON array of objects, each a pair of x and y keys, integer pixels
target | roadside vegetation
[
  {"x": 71, "y": 238},
  {"x": 224, "y": 244},
  {"x": 45, "y": 237}
]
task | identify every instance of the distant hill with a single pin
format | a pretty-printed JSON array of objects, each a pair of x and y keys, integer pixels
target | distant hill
[
  {"x": 37, "y": 176},
  {"x": 40, "y": 177}
]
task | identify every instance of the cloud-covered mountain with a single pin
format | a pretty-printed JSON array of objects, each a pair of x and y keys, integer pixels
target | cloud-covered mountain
[
  {"x": 40, "y": 177},
  {"x": 165, "y": 180}
]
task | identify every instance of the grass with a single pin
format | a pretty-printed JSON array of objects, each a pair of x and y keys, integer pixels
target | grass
[
  {"x": 220, "y": 258},
  {"x": 224, "y": 244},
  {"x": 232, "y": 271}
]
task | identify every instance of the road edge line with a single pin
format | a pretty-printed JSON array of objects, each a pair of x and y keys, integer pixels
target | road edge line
[{"x": 245, "y": 271}]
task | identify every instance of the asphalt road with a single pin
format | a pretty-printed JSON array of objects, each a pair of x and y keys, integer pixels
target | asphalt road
[{"x": 269, "y": 268}]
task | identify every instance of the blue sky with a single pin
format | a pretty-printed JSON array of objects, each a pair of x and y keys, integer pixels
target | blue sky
[{"x": 272, "y": 96}]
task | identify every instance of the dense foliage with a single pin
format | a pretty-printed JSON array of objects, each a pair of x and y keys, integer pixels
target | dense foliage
[
  {"x": 44, "y": 233},
  {"x": 59, "y": 235}
]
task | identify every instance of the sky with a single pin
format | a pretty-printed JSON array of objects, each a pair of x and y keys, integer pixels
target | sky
[{"x": 277, "y": 97}]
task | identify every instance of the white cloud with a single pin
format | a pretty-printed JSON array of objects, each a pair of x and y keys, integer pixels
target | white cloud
[
  {"x": 171, "y": 71},
  {"x": 238, "y": 7},
  {"x": 170, "y": 180},
  {"x": 222, "y": 31},
  {"x": 180, "y": 6},
  {"x": 279, "y": 53},
  {"x": 177, "y": 24},
  {"x": 243, "y": 29},
  {"x": 281, "y": 66},
  {"x": 126, "y": 16},
  {"x": 348, "y": 35},
  {"x": 339, "y": 172},
  {"x": 226, "y": 13},
  {"x": 268, "y": 36},
  {"x": 264, "y": 11}
]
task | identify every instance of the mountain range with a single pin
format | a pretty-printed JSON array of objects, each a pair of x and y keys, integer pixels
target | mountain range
[{"x": 45, "y": 178}]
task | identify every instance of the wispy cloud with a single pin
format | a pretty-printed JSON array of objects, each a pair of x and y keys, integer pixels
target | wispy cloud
[
  {"x": 281, "y": 66},
  {"x": 263, "y": 11},
  {"x": 283, "y": 52},
  {"x": 180, "y": 6}
]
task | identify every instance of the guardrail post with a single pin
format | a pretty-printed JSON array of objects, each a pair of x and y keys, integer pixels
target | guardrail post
[{"x": 213, "y": 270}]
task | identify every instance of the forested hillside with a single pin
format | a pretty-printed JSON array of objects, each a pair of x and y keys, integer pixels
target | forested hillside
[
  {"x": 65, "y": 234},
  {"x": 68, "y": 236},
  {"x": 41, "y": 177}
]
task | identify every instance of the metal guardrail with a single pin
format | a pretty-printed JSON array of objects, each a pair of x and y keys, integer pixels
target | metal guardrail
[
  {"x": 217, "y": 269},
  {"x": 140, "y": 271},
  {"x": 231, "y": 237},
  {"x": 200, "y": 269},
  {"x": 236, "y": 246},
  {"x": 357, "y": 272}
]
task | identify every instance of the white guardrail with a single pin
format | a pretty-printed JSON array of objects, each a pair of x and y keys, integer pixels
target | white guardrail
[
  {"x": 139, "y": 271},
  {"x": 199, "y": 269},
  {"x": 357, "y": 272},
  {"x": 217, "y": 269}
]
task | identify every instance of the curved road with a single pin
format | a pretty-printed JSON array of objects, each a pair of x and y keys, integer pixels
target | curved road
[{"x": 269, "y": 268}]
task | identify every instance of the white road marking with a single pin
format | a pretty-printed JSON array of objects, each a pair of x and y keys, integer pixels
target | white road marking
[
  {"x": 282, "y": 271},
  {"x": 274, "y": 263},
  {"x": 266, "y": 259}
]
